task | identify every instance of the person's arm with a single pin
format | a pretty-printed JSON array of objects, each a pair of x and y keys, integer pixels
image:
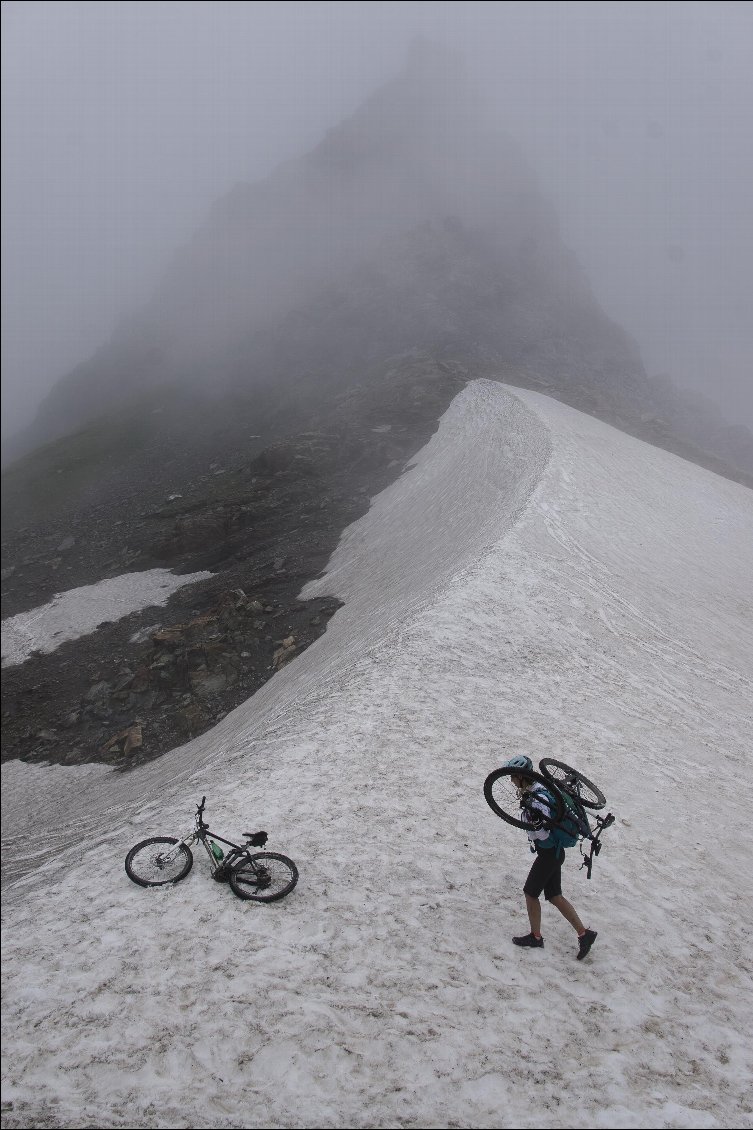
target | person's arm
[{"x": 533, "y": 804}]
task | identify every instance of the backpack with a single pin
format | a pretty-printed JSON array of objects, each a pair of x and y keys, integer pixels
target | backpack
[{"x": 569, "y": 830}]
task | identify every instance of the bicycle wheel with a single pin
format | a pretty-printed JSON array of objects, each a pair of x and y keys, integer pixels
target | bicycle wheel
[
  {"x": 506, "y": 800},
  {"x": 264, "y": 877},
  {"x": 569, "y": 780},
  {"x": 149, "y": 863}
]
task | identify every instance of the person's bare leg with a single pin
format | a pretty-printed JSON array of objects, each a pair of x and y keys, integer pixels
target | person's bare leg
[
  {"x": 567, "y": 910},
  {"x": 533, "y": 906}
]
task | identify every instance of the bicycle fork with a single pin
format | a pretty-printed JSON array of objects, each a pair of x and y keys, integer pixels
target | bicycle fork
[
  {"x": 596, "y": 843},
  {"x": 174, "y": 852}
]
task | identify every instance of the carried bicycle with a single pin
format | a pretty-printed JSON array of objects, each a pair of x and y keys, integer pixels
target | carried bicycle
[
  {"x": 572, "y": 797},
  {"x": 261, "y": 876}
]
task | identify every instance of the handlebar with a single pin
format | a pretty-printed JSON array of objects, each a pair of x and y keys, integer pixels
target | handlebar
[{"x": 200, "y": 812}]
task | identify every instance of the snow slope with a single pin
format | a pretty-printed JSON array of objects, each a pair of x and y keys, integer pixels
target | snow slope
[
  {"x": 457, "y": 498},
  {"x": 537, "y": 582}
]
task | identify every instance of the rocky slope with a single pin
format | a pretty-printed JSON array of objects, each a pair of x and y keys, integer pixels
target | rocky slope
[
  {"x": 263, "y": 525},
  {"x": 298, "y": 351}
]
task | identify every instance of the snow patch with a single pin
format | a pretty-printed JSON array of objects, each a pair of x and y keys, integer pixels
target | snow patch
[{"x": 80, "y": 611}]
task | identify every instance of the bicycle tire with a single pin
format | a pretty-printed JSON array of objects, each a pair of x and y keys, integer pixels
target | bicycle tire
[
  {"x": 558, "y": 772},
  {"x": 504, "y": 799},
  {"x": 144, "y": 864},
  {"x": 271, "y": 877}
]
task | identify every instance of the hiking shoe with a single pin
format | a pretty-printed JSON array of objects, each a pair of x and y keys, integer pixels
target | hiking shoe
[
  {"x": 529, "y": 940},
  {"x": 585, "y": 943}
]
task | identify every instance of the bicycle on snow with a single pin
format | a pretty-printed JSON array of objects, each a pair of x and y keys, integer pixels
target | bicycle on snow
[{"x": 261, "y": 876}]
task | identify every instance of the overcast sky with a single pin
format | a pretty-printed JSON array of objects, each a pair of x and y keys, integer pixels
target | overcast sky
[{"x": 123, "y": 121}]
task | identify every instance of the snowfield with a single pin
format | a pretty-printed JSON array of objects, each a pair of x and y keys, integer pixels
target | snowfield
[
  {"x": 79, "y": 611},
  {"x": 536, "y": 582}
]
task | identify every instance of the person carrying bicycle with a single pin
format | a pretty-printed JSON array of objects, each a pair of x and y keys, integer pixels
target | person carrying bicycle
[{"x": 546, "y": 873}]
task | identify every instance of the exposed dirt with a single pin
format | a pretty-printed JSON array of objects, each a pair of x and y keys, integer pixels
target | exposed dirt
[{"x": 264, "y": 525}]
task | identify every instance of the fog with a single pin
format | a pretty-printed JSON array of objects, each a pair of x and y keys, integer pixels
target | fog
[{"x": 122, "y": 123}]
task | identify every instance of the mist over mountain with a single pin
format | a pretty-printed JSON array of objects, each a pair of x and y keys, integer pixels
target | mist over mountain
[{"x": 415, "y": 224}]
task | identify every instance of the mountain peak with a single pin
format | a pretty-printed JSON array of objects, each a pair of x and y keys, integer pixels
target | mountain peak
[
  {"x": 344, "y": 256},
  {"x": 430, "y": 103}
]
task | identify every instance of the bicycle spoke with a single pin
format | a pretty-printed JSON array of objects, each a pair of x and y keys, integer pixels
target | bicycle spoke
[
  {"x": 157, "y": 861},
  {"x": 569, "y": 780},
  {"x": 264, "y": 878}
]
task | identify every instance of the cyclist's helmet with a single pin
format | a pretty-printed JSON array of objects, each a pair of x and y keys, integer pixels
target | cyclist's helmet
[{"x": 520, "y": 761}]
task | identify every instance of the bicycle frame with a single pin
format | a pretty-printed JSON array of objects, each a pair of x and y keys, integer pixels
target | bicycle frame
[
  {"x": 252, "y": 874},
  {"x": 602, "y": 822},
  {"x": 571, "y": 787},
  {"x": 205, "y": 834},
  {"x": 202, "y": 834}
]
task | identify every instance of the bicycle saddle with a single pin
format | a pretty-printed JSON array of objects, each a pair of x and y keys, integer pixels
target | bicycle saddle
[{"x": 256, "y": 839}]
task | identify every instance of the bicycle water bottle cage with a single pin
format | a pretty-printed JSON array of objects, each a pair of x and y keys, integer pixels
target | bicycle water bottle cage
[{"x": 256, "y": 839}]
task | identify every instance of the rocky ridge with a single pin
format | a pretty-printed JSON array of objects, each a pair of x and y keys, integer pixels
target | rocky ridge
[
  {"x": 144, "y": 684},
  {"x": 295, "y": 356}
]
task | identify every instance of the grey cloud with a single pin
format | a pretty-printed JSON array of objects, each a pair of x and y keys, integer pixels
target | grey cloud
[{"x": 122, "y": 123}]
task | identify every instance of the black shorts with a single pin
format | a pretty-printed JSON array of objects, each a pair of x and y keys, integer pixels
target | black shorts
[{"x": 546, "y": 874}]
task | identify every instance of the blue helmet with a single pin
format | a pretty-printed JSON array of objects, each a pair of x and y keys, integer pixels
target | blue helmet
[{"x": 520, "y": 761}]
